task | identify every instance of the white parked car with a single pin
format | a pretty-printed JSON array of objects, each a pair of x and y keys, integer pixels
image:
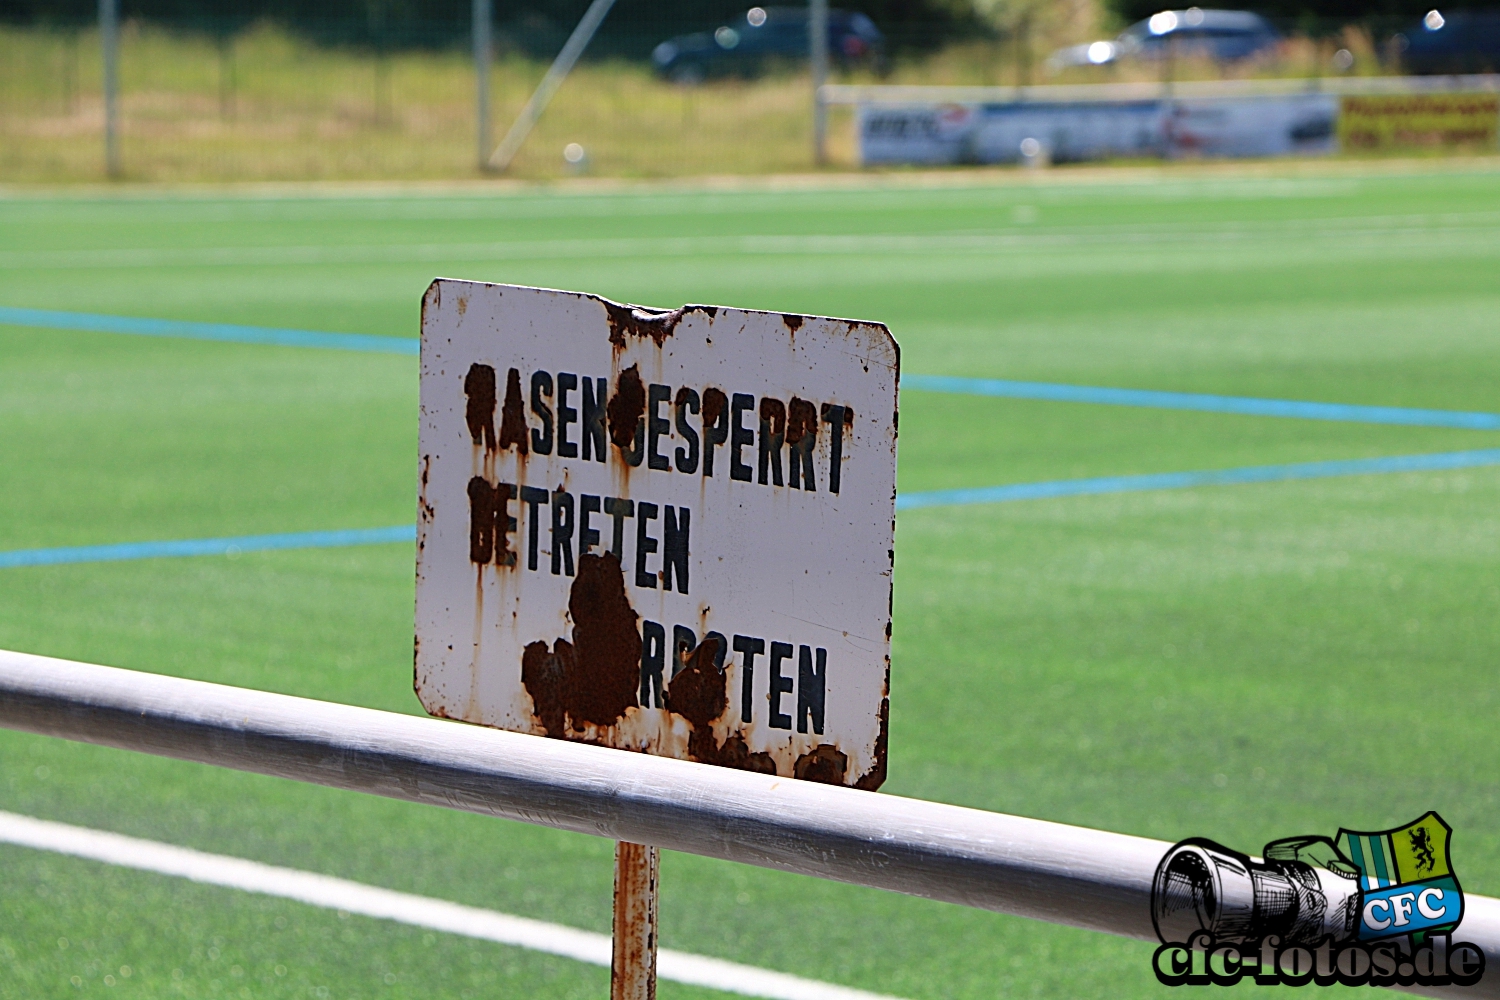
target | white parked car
[{"x": 1222, "y": 35}]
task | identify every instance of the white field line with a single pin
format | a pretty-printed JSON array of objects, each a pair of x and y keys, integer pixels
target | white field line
[
  {"x": 1478, "y": 225},
  {"x": 418, "y": 911}
]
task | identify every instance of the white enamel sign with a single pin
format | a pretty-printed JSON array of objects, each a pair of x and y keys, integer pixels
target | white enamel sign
[{"x": 669, "y": 532}]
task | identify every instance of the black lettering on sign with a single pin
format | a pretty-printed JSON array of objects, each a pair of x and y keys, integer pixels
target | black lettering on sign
[
  {"x": 644, "y": 544},
  {"x": 683, "y": 643},
  {"x": 687, "y": 460},
  {"x": 837, "y": 418},
  {"x": 566, "y": 383},
  {"x": 593, "y": 419},
  {"x": 513, "y": 433},
  {"x": 674, "y": 547},
  {"x": 772, "y": 433},
  {"x": 750, "y": 647},
  {"x": 801, "y": 436},
  {"x": 715, "y": 425},
  {"x": 656, "y": 426},
  {"x": 780, "y": 685},
  {"x": 504, "y": 524},
  {"x": 562, "y": 533},
  {"x": 532, "y": 496},
  {"x": 541, "y": 385},
  {"x": 619, "y": 509},
  {"x": 812, "y": 684},
  {"x": 739, "y": 435},
  {"x": 637, "y": 450},
  {"x": 653, "y": 659},
  {"x": 587, "y": 537}
]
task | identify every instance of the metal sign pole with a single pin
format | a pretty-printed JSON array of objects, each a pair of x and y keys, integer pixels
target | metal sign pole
[
  {"x": 633, "y": 969},
  {"x": 483, "y": 49},
  {"x": 559, "y": 70},
  {"x": 109, "y": 40},
  {"x": 817, "y": 39}
]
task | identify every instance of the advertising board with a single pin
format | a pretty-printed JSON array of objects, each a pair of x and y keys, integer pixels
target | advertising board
[
  {"x": 1415, "y": 121},
  {"x": 1075, "y": 131}
]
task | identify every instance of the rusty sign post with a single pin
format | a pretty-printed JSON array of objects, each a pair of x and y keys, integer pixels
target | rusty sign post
[
  {"x": 665, "y": 532},
  {"x": 632, "y": 972}
]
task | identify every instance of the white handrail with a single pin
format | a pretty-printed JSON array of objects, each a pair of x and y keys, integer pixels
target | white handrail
[{"x": 1010, "y": 864}]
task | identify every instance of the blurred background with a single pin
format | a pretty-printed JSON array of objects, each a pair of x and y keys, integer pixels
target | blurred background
[{"x": 276, "y": 90}]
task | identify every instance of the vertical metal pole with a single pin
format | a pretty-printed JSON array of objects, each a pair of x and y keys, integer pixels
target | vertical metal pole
[
  {"x": 483, "y": 47},
  {"x": 556, "y": 74},
  {"x": 817, "y": 41},
  {"x": 633, "y": 970},
  {"x": 109, "y": 40}
]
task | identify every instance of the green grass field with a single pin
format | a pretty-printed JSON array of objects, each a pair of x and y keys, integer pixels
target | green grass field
[{"x": 1242, "y": 662}]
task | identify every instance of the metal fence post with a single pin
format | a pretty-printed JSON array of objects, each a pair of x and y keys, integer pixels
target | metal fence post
[
  {"x": 817, "y": 40},
  {"x": 633, "y": 968},
  {"x": 109, "y": 40},
  {"x": 483, "y": 49}
]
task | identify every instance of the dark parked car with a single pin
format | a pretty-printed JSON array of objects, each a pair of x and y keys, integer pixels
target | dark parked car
[
  {"x": 1459, "y": 42},
  {"x": 745, "y": 45},
  {"x": 1221, "y": 35}
]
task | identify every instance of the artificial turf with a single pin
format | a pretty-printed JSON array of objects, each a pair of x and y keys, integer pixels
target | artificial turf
[{"x": 1241, "y": 662}]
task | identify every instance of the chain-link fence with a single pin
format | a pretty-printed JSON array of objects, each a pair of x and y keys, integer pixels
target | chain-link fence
[
  {"x": 264, "y": 102},
  {"x": 388, "y": 91}
]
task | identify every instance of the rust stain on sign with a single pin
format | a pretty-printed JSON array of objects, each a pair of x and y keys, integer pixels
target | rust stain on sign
[
  {"x": 593, "y": 679},
  {"x": 633, "y": 321},
  {"x": 490, "y": 523},
  {"x": 626, "y": 407},
  {"x": 875, "y": 776},
  {"x": 825, "y": 763},
  {"x": 699, "y": 693},
  {"x": 479, "y": 387},
  {"x": 714, "y": 405}
]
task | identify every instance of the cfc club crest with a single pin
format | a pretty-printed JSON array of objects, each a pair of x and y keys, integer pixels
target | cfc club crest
[{"x": 1406, "y": 882}]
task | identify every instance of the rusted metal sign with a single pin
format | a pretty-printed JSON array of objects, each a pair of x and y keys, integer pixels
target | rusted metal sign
[{"x": 669, "y": 532}]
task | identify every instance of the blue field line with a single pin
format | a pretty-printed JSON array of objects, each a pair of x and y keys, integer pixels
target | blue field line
[
  {"x": 1216, "y": 477},
  {"x": 1195, "y": 401},
  {"x": 208, "y": 546},
  {"x": 1055, "y": 392},
  {"x": 905, "y": 501},
  {"x": 97, "y": 323}
]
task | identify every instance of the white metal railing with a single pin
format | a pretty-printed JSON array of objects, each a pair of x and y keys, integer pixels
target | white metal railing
[
  {"x": 1048, "y": 871},
  {"x": 915, "y": 94}
]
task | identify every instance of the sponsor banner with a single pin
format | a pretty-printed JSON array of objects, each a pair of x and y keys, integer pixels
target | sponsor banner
[
  {"x": 1281, "y": 125},
  {"x": 1071, "y": 132},
  {"x": 1289, "y": 125},
  {"x": 925, "y": 134},
  {"x": 1406, "y": 121}
]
